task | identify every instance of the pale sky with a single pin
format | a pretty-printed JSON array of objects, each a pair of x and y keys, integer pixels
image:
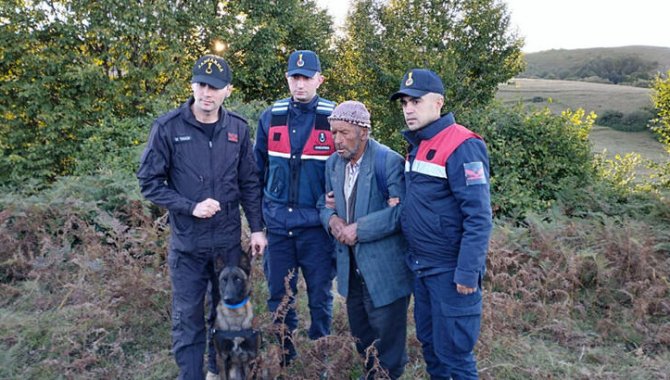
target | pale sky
[{"x": 575, "y": 24}]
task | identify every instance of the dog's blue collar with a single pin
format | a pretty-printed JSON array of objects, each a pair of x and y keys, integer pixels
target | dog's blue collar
[{"x": 237, "y": 306}]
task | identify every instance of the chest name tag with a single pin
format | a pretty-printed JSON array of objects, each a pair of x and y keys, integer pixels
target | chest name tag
[
  {"x": 474, "y": 173},
  {"x": 182, "y": 138}
]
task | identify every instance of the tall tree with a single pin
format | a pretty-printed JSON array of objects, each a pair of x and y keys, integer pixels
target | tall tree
[
  {"x": 260, "y": 35},
  {"x": 80, "y": 78},
  {"x": 80, "y": 81},
  {"x": 467, "y": 42}
]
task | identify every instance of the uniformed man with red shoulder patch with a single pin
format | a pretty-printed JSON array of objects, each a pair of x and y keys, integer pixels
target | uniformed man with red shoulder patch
[
  {"x": 199, "y": 164},
  {"x": 447, "y": 221},
  {"x": 293, "y": 142}
]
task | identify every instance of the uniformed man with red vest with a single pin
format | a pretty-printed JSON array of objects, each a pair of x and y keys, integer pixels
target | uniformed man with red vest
[
  {"x": 293, "y": 142},
  {"x": 447, "y": 221}
]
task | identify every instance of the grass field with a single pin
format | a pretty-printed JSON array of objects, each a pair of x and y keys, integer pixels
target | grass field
[
  {"x": 618, "y": 142},
  {"x": 561, "y": 94}
]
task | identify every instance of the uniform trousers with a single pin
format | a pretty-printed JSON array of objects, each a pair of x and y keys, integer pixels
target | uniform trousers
[
  {"x": 193, "y": 276},
  {"x": 311, "y": 251},
  {"x": 447, "y": 325}
]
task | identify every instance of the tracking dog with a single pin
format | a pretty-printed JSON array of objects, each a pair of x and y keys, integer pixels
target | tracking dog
[{"x": 236, "y": 342}]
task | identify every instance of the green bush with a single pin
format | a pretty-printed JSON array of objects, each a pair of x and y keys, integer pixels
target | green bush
[
  {"x": 636, "y": 121},
  {"x": 533, "y": 155},
  {"x": 610, "y": 118}
]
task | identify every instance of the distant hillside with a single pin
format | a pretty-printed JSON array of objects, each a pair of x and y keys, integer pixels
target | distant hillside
[
  {"x": 559, "y": 95},
  {"x": 621, "y": 107},
  {"x": 631, "y": 65}
]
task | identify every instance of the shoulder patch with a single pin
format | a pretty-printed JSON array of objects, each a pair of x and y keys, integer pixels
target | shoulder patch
[{"x": 474, "y": 173}]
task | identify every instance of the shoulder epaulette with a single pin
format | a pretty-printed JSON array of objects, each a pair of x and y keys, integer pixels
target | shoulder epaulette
[
  {"x": 325, "y": 107},
  {"x": 280, "y": 107},
  {"x": 237, "y": 116},
  {"x": 163, "y": 119}
]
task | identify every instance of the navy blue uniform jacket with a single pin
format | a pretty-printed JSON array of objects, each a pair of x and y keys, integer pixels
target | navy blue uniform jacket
[
  {"x": 447, "y": 217},
  {"x": 302, "y": 181},
  {"x": 181, "y": 167}
]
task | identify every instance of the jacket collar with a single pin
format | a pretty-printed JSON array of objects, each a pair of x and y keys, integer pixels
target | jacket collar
[
  {"x": 188, "y": 116},
  {"x": 430, "y": 130},
  {"x": 304, "y": 107}
]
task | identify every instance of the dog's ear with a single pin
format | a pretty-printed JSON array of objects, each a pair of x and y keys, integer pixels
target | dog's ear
[{"x": 245, "y": 262}]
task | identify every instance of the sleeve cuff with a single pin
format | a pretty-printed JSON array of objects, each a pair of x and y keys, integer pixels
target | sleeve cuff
[{"x": 467, "y": 278}]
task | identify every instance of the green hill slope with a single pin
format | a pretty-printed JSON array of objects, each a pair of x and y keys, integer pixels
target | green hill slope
[
  {"x": 634, "y": 65},
  {"x": 562, "y": 94}
]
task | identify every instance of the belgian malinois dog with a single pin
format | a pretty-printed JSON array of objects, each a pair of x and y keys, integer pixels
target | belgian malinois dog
[{"x": 236, "y": 342}]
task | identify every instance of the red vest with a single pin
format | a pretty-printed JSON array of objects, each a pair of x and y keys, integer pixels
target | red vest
[
  {"x": 319, "y": 144},
  {"x": 432, "y": 155}
]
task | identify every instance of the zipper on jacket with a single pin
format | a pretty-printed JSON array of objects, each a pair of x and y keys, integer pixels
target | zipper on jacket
[{"x": 212, "y": 188}]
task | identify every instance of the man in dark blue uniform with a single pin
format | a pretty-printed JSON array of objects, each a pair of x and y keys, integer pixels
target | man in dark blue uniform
[
  {"x": 293, "y": 142},
  {"x": 199, "y": 164},
  {"x": 447, "y": 221}
]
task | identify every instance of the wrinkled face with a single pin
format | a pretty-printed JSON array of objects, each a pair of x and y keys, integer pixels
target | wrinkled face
[
  {"x": 208, "y": 99},
  {"x": 350, "y": 139},
  {"x": 303, "y": 89},
  {"x": 422, "y": 111}
]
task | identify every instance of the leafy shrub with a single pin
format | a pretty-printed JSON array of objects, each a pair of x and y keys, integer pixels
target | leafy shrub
[
  {"x": 533, "y": 155},
  {"x": 249, "y": 110},
  {"x": 636, "y": 121},
  {"x": 610, "y": 118}
]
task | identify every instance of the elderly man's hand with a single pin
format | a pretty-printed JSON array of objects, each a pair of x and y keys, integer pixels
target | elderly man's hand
[
  {"x": 349, "y": 236},
  {"x": 336, "y": 225},
  {"x": 330, "y": 200}
]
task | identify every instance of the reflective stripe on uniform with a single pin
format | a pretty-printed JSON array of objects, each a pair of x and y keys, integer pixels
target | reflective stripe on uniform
[{"x": 427, "y": 168}]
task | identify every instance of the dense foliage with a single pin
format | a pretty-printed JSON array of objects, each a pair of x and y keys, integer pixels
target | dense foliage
[
  {"x": 635, "y": 121},
  {"x": 468, "y": 43},
  {"x": 81, "y": 81},
  {"x": 661, "y": 98},
  {"x": 259, "y": 35},
  {"x": 533, "y": 156}
]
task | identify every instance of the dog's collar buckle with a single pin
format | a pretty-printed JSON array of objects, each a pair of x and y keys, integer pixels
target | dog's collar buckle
[{"x": 236, "y": 306}]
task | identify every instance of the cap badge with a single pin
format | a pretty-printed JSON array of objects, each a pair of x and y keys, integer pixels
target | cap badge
[
  {"x": 209, "y": 62},
  {"x": 300, "y": 62},
  {"x": 409, "y": 80}
]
